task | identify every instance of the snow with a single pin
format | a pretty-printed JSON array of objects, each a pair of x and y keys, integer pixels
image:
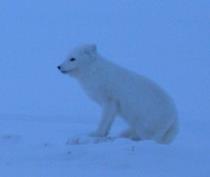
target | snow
[
  {"x": 38, "y": 148},
  {"x": 41, "y": 111}
]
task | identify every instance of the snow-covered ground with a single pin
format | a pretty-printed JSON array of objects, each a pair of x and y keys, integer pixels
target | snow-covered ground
[
  {"x": 36, "y": 147},
  {"x": 41, "y": 110}
]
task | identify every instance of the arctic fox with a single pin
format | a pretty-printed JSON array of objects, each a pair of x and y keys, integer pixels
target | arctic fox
[{"x": 149, "y": 112}]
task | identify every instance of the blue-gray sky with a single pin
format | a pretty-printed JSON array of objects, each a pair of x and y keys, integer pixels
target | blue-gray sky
[{"x": 166, "y": 40}]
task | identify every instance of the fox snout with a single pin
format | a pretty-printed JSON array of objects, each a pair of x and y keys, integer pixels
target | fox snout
[{"x": 61, "y": 69}]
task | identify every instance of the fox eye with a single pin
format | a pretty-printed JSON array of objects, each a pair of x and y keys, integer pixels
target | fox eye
[{"x": 72, "y": 59}]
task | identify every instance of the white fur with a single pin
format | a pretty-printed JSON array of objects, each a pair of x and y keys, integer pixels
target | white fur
[{"x": 148, "y": 110}]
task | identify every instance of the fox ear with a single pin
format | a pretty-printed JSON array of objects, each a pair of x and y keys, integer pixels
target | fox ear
[{"x": 90, "y": 49}]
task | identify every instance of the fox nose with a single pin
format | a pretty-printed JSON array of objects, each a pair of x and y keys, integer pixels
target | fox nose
[{"x": 59, "y": 67}]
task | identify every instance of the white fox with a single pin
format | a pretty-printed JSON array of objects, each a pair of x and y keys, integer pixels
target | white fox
[{"x": 148, "y": 110}]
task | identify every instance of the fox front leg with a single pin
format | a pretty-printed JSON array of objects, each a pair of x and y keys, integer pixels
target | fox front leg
[{"x": 109, "y": 112}]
